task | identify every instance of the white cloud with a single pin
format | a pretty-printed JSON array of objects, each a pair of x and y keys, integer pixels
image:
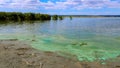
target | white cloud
[
  {"x": 63, "y": 4},
  {"x": 81, "y": 4},
  {"x": 20, "y": 4},
  {"x": 114, "y": 4}
]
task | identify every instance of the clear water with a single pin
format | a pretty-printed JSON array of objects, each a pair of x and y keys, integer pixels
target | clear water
[{"x": 100, "y": 36}]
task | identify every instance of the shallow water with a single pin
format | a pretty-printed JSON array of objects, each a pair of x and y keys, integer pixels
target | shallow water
[{"x": 83, "y": 38}]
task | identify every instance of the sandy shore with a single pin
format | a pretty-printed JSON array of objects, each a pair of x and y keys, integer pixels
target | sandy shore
[{"x": 18, "y": 54}]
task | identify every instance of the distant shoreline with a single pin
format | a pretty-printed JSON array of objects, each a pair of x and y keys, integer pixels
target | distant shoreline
[{"x": 91, "y": 15}]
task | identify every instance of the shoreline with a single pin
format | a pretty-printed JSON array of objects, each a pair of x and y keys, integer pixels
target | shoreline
[{"x": 18, "y": 54}]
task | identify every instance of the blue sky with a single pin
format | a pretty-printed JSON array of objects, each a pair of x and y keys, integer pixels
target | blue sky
[{"x": 63, "y": 7}]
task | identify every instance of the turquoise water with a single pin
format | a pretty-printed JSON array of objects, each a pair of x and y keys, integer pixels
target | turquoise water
[{"x": 82, "y": 38}]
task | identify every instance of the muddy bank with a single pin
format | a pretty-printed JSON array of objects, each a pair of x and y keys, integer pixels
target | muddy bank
[{"x": 18, "y": 54}]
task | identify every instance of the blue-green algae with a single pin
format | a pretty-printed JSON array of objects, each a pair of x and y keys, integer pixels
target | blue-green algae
[{"x": 96, "y": 49}]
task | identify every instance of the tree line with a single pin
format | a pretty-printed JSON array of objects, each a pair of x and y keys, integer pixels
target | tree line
[
  {"x": 17, "y": 16},
  {"x": 56, "y": 17}
]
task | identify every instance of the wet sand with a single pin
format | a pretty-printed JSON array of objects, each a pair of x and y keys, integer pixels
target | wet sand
[{"x": 18, "y": 54}]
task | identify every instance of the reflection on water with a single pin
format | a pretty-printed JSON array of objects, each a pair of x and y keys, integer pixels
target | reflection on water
[{"x": 84, "y": 38}]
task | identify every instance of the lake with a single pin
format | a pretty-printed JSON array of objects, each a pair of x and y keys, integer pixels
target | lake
[{"x": 82, "y": 38}]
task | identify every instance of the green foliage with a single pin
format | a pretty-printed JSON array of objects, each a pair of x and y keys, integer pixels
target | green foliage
[
  {"x": 2, "y": 15},
  {"x": 29, "y": 16},
  {"x": 17, "y": 16},
  {"x": 70, "y": 17},
  {"x": 55, "y": 17},
  {"x": 60, "y": 17}
]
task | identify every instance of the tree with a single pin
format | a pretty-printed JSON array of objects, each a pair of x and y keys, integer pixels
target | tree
[
  {"x": 61, "y": 17},
  {"x": 55, "y": 17},
  {"x": 17, "y": 16}
]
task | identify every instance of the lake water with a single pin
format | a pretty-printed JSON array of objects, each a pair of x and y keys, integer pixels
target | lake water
[{"x": 82, "y": 38}]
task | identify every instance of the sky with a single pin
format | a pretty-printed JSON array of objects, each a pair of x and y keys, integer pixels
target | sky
[{"x": 63, "y": 7}]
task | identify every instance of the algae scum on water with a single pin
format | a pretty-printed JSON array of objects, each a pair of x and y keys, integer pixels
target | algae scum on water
[
  {"x": 85, "y": 39},
  {"x": 83, "y": 50}
]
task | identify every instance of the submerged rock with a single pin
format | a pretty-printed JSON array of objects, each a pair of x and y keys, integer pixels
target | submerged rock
[
  {"x": 33, "y": 40},
  {"x": 83, "y": 43},
  {"x": 74, "y": 43},
  {"x": 9, "y": 40}
]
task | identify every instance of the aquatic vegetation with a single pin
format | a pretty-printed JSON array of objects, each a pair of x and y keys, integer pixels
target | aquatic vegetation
[
  {"x": 55, "y": 17},
  {"x": 70, "y": 17},
  {"x": 61, "y": 17},
  {"x": 17, "y": 16}
]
